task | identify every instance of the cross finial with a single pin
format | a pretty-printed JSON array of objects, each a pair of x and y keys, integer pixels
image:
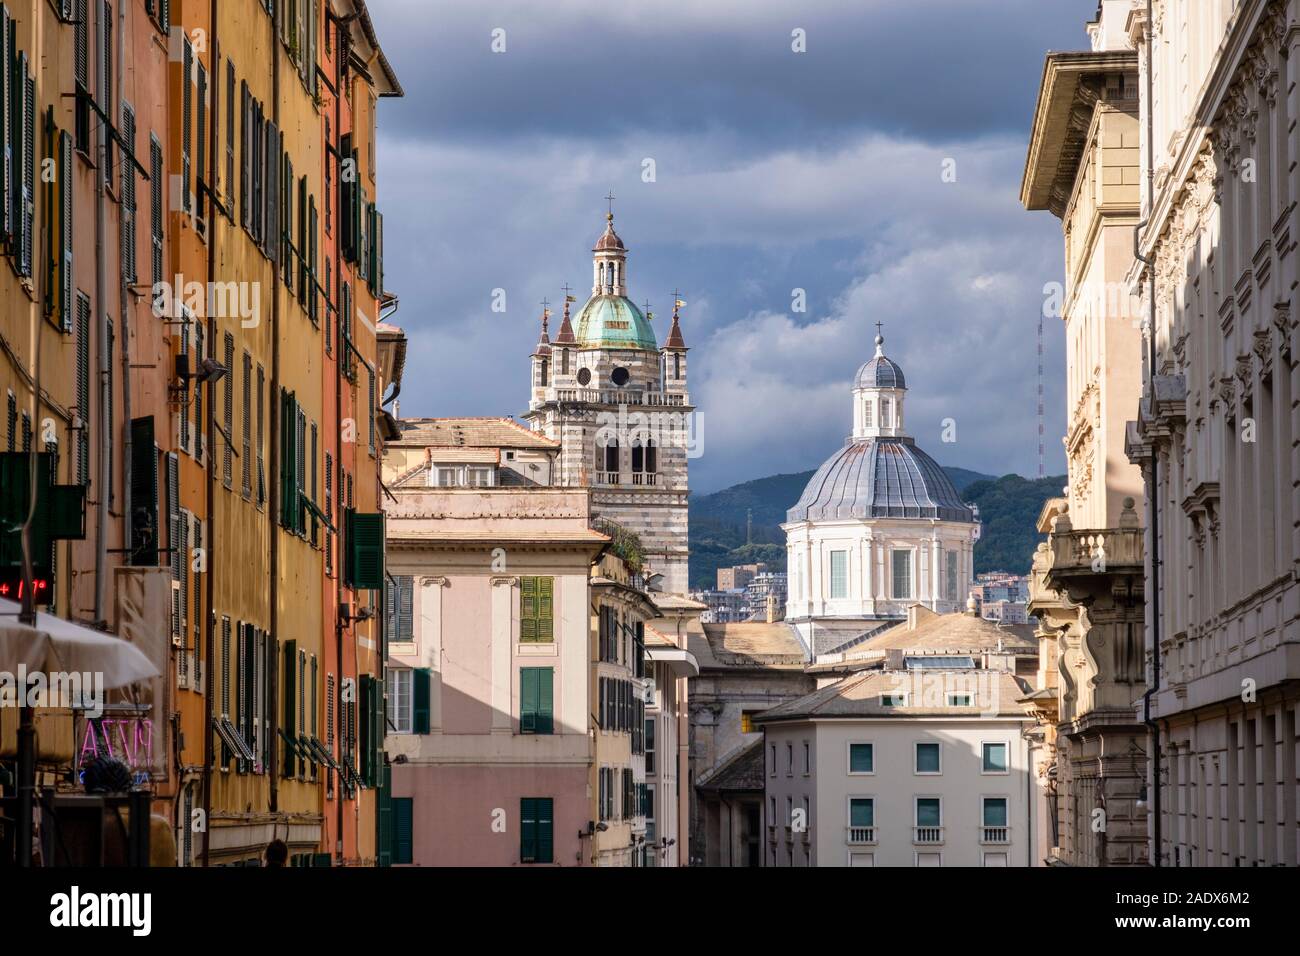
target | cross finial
[
  {"x": 879, "y": 326},
  {"x": 567, "y": 291},
  {"x": 545, "y": 304},
  {"x": 610, "y": 199},
  {"x": 646, "y": 309}
]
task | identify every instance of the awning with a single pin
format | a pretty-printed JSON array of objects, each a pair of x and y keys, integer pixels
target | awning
[
  {"x": 681, "y": 662},
  {"x": 55, "y": 645}
]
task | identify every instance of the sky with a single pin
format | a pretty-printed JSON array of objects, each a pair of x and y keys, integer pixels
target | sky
[{"x": 878, "y": 171}]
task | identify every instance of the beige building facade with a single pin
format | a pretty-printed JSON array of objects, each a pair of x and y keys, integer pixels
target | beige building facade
[
  {"x": 1086, "y": 591},
  {"x": 1217, "y": 427}
]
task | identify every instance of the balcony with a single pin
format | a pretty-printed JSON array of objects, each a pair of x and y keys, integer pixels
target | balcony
[
  {"x": 607, "y": 478},
  {"x": 927, "y": 836},
  {"x": 598, "y": 396},
  {"x": 644, "y": 478},
  {"x": 995, "y": 836},
  {"x": 861, "y": 836}
]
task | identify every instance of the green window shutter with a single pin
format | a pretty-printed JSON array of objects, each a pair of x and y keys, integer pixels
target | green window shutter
[
  {"x": 528, "y": 700},
  {"x": 290, "y": 697},
  {"x": 365, "y": 537},
  {"x": 545, "y": 700},
  {"x": 545, "y": 831},
  {"x": 144, "y": 493},
  {"x": 366, "y": 691},
  {"x": 403, "y": 829},
  {"x": 545, "y": 609},
  {"x": 422, "y": 682},
  {"x": 528, "y": 830}
]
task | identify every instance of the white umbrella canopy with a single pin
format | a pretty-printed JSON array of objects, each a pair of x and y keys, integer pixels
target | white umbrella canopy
[{"x": 58, "y": 645}]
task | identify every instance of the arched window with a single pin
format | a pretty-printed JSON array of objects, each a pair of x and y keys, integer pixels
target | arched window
[
  {"x": 607, "y": 457},
  {"x": 645, "y": 456},
  {"x": 677, "y": 365},
  {"x": 564, "y": 361},
  {"x": 543, "y": 373}
]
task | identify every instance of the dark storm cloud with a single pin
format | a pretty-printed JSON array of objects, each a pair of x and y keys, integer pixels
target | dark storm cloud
[
  {"x": 929, "y": 69},
  {"x": 771, "y": 177}
]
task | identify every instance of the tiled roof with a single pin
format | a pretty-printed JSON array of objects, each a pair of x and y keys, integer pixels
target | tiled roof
[
  {"x": 743, "y": 770},
  {"x": 956, "y": 633},
  {"x": 880, "y": 478},
  {"x": 471, "y": 433}
]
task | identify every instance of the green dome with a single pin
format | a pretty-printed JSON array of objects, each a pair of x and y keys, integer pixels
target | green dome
[{"x": 612, "y": 321}]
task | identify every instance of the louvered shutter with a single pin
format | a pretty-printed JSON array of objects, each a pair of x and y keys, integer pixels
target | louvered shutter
[
  {"x": 366, "y": 550},
  {"x": 244, "y": 213},
  {"x": 246, "y": 433},
  {"x": 545, "y": 700},
  {"x": 81, "y": 45},
  {"x": 528, "y": 608},
  {"x": 6, "y": 130},
  {"x": 273, "y": 151},
  {"x": 156, "y": 211},
  {"x": 65, "y": 230},
  {"x": 378, "y": 241},
  {"x": 545, "y": 828},
  {"x": 421, "y": 692},
  {"x": 183, "y": 559},
  {"x": 405, "y": 615},
  {"x": 545, "y": 608},
  {"x": 528, "y": 695},
  {"x": 286, "y": 226},
  {"x": 289, "y": 767},
  {"x": 228, "y": 412},
  {"x": 128, "y": 197},
  {"x": 27, "y": 161},
  {"x": 201, "y": 144},
  {"x": 174, "y": 540},
  {"x": 83, "y": 389}
]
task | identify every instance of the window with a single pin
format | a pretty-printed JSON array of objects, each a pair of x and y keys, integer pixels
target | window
[
  {"x": 772, "y": 772},
  {"x": 399, "y": 701},
  {"x": 807, "y": 759},
  {"x": 536, "y": 826},
  {"x": 995, "y": 758},
  {"x": 399, "y": 606},
  {"x": 789, "y": 760},
  {"x": 862, "y": 758},
  {"x": 960, "y": 700},
  {"x": 536, "y": 700},
  {"x": 893, "y": 700},
  {"x": 902, "y": 567},
  {"x": 886, "y": 413},
  {"x": 952, "y": 576},
  {"x": 747, "y": 721},
  {"x": 995, "y": 811},
  {"x": 927, "y": 758},
  {"x": 536, "y": 609},
  {"x": 839, "y": 574},
  {"x": 867, "y": 409},
  {"x": 862, "y": 812},
  {"x": 478, "y": 477},
  {"x": 929, "y": 812},
  {"x": 650, "y": 746}
]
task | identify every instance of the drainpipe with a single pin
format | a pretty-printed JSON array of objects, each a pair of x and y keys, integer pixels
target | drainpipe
[
  {"x": 273, "y": 510},
  {"x": 209, "y": 427},
  {"x": 1153, "y": 486},
  {"x": 124, "y": 309},
  {"x": 104, "y": 358}
]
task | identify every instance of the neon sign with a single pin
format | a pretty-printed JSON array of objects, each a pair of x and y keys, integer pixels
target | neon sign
[{"x": 131, "y": 736}]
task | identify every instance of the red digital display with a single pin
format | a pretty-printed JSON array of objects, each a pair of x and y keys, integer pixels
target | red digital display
[{"x": 13, "y": 589}]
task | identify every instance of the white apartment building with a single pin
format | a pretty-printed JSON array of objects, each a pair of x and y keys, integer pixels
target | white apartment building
[{"x": 923, "y": 766}]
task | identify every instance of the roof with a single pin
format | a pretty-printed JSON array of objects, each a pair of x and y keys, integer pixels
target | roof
[
  {"x": 880, "y": 478},
  {"x": 956, "y": 633},
  {"x": 675, "y": 339},
  {"x": 609, "y": 238},
  {"x": 1059, "y": 136},
  {"x": 992, "y": 693},
  {"x": 614, "y": 321},
  {"x": 741, "y": 645},
  {"x": 880, "y": 372},
  {"x": 743, "y": 770},
  {"x": 471, "y": 433}
]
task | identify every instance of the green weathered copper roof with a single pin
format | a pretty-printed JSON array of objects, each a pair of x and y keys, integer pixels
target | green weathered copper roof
[{"x": 612, "y": 321}]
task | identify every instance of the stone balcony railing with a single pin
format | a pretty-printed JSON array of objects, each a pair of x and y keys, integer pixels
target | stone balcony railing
[
  {"x": 602, "y": 396},
  {"x": 860, "y": 836},
  {"x": 927, "y": 836},
  {"x": 995, "y": 835},
  {"x": 1073, "y": 554}
]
